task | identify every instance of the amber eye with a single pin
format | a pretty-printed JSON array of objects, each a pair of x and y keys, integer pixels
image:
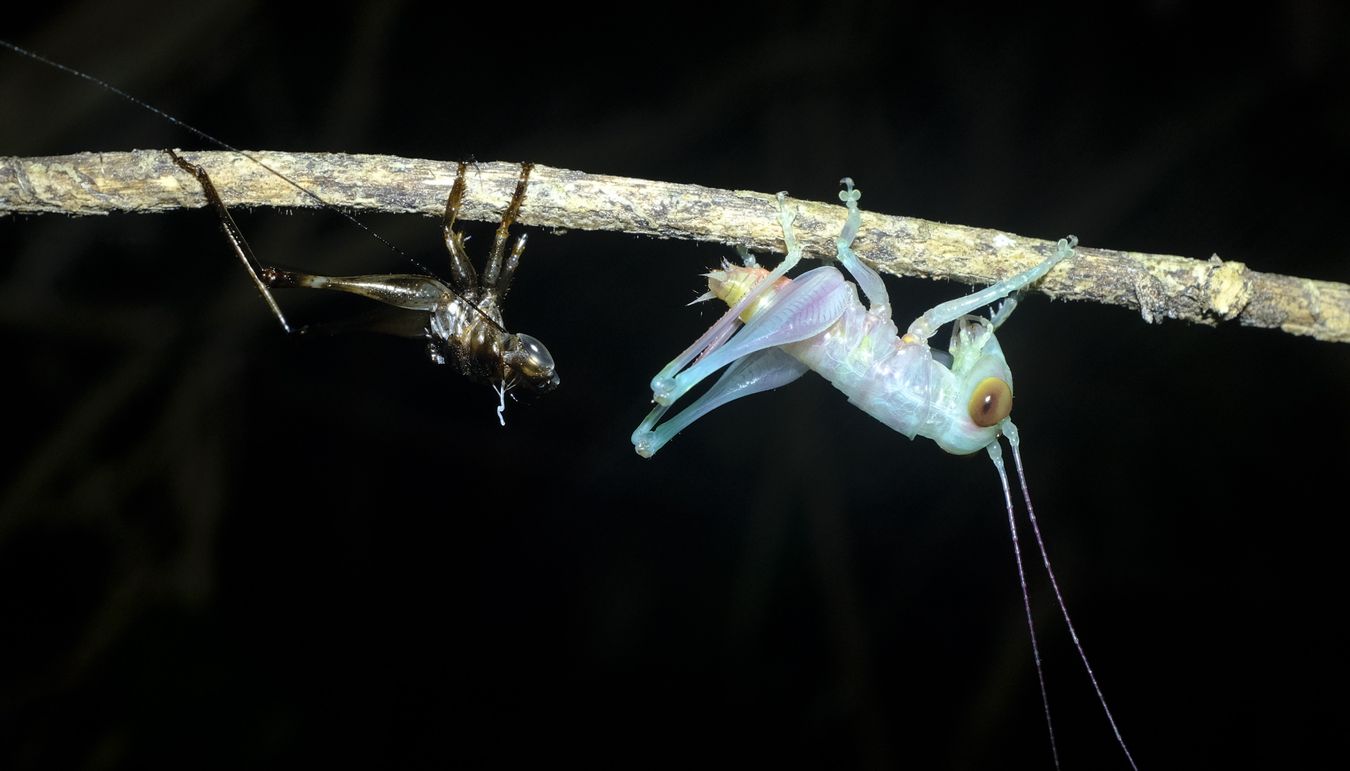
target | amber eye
[{"x": 991, "y": 402}]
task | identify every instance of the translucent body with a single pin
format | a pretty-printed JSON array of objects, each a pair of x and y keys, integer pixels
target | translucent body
[{"x": 895, "y": 379}]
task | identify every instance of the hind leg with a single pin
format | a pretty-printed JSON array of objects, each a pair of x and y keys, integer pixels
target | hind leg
[{"x": 667, "y": 381}]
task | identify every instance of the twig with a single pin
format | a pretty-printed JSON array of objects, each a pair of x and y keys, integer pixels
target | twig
[{"x": 1158, "y": 286}]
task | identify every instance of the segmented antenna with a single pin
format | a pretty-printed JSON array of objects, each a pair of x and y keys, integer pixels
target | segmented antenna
[
  {"x": 996, "y": 453},
  {"x": 1015, "y": 442}
]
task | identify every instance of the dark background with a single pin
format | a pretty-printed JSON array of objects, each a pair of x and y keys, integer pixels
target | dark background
[{"x": 223, "y": 547}]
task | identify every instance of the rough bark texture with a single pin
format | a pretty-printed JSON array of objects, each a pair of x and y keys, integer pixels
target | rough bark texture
[{"x": 1158, "y": 286}]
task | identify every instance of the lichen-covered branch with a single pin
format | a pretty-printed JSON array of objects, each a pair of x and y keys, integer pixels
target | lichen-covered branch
[{"x": 1158, "y": 286}]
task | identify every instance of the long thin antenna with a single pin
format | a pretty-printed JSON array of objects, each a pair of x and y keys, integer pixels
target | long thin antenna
[
  {"x": 996, "y": 454},
  {"x": 226, "y": 146},
  {"x": 1014, "y": 441}
]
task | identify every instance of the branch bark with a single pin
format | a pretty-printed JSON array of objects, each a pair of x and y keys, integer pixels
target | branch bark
[{"x": 1157, "y": 286}]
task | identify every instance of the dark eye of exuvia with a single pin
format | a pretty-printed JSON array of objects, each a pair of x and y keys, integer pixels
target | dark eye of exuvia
[{"x": 990, "y": 403}]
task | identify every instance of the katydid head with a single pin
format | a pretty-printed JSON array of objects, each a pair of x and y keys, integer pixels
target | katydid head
[{"x": 984, "y": 391}]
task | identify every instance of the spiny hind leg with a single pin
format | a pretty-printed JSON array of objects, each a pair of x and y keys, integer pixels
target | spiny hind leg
[
  {"x": 411, "y": 292},
  {"x": 757, "y": 372},
  {"x": 400, "y": 291},
  {"x": 669, "y": 380},
  {"x": 408, "y": 291},
  {"x": 234, "y": 235},
  {"x": 800, "y": 309}
]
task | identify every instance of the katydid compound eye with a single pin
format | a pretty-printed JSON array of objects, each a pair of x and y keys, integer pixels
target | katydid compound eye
[{"x": 991, "y": 402}]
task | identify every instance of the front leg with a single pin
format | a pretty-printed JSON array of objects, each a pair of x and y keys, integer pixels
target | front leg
[
  {"x": 878, "y": 301},
  {"x": 927, "y": 324}
]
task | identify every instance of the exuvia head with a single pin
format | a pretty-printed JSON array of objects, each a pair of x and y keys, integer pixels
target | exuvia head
[
  {"x": 529, "y": 366},
  {"x": 985, "y": 387}
]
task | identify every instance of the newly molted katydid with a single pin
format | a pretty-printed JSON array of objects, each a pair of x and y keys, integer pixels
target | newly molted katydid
[{"x": 776, "y": 329}]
